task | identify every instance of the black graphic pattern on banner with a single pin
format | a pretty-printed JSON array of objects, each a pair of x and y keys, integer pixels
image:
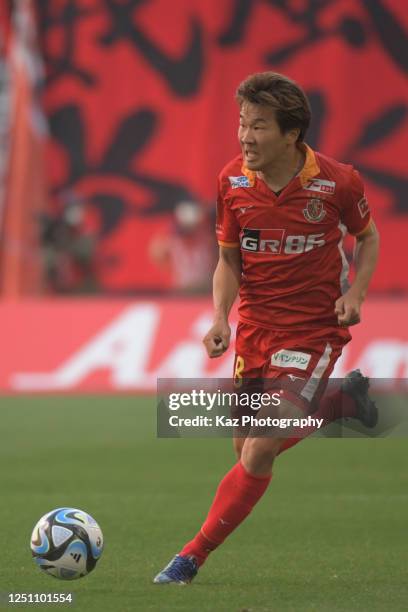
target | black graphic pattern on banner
[
  {"x": 183, "y": 75},
  {"x": 132, "y": 136},
  {"x": 350, "y": 29},
  {"x": 389, "y": 31},
  {"x": 63, "y": 65},
  {"x": 373, "y": 134}
]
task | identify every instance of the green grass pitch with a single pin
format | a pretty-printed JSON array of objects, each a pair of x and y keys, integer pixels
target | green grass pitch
[{"x": 331, "y": 533}]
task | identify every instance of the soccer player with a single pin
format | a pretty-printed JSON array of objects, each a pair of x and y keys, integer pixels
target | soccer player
[{"x": 282, "y": 212}]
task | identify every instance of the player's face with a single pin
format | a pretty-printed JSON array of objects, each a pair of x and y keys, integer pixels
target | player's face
[{"x": 261, "y": 140}]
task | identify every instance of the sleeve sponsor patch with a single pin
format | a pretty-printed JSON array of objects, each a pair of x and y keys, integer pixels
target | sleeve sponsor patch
[{"x": 239, "y": 181}]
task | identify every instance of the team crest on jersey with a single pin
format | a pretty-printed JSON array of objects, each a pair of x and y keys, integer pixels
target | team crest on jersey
[
  {"x": 239, "y": 181},
  {"x": 321, "y": 185},
  {"x": 314, "y": 211}
]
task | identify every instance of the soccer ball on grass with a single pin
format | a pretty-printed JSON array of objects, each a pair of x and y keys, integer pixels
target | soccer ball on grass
[{"x": 67, "y": 543}]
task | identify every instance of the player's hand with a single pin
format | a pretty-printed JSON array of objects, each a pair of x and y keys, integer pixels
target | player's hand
[
  {"x": 347, "y": 309},
  {"x": 217, "y": 340}
]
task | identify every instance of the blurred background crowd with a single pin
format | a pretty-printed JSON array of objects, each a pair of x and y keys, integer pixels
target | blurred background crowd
[{"x": 117, "y": 115}]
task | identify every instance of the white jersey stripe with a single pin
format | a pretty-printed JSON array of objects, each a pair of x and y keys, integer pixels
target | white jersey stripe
[{"x": 312, "y": 384}]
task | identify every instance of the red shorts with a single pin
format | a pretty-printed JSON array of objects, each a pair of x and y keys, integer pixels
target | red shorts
[{"x": 303, "y": 358}]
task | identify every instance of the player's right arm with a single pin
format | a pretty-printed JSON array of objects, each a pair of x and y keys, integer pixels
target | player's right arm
[
  {"x": 226, "y": 281},
  {"x": 227, "y": 275}
]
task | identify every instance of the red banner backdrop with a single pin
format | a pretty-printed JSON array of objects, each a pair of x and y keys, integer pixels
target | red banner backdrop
[
  {"x": 114, "y": 346},
  {"x": 140, "y": 101}
]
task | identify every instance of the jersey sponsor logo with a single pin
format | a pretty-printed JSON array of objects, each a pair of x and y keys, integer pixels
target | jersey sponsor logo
[
  {"x": 274, "y": 242},
  {"x": 363, "y": 207},
  {"x": 290, "y": 359},
  {"x": 239, "y": 181},
  {"x": 321, "y": 185},
  {"x": 314, "y": 211},
  {"x": 262, "y": 241}
]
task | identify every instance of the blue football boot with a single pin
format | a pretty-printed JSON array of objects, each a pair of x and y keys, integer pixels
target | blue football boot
[{"x": 180, "y": 570}]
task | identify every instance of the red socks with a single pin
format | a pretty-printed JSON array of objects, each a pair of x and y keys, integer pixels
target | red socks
[{"x": 237, "y": 494}]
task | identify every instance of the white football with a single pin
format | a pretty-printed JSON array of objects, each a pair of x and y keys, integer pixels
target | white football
[{"x": 67, "y": 543}]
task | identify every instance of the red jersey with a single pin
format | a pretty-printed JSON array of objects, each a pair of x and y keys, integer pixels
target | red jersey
[{"x": 293, "y": 264}]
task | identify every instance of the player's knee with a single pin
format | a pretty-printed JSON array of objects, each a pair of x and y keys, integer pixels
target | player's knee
[{"x": 258, "y": 454}]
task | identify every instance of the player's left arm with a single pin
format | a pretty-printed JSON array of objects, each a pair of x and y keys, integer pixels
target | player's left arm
[{"x": 365, "y": 257}]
